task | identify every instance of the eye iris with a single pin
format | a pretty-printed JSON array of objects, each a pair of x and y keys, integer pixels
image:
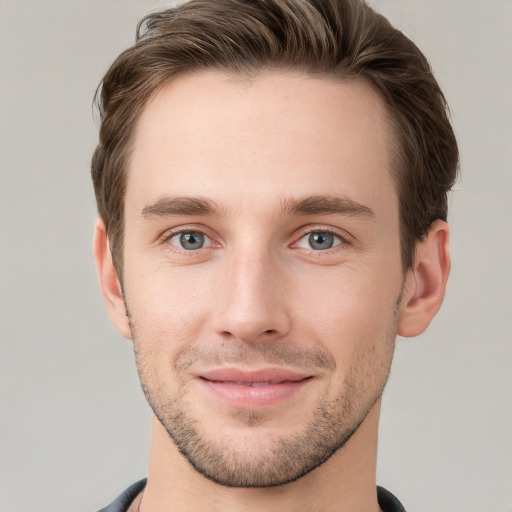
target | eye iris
[
  {"x": 321, "y": 240},
  {"x": 192, "y": 240}
]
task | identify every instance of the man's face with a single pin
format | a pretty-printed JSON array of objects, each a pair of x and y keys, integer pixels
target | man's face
[{"x": 262, "y": 269}]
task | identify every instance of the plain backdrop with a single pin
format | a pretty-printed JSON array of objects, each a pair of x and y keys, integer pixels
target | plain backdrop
[{"x": 74, "y": 425}]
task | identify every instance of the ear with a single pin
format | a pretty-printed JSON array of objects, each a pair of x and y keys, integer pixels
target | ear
[
  {"x": 109, "y": 282},
  {"x": 425, "y": 283}
]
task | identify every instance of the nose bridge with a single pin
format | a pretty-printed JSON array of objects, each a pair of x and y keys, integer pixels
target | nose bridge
[{"x": 251, "y": 305}]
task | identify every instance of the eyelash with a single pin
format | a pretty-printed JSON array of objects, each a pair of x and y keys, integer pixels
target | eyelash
[
  {"x": 343, "y": 238},
  {"x": 168, "y": 235}
]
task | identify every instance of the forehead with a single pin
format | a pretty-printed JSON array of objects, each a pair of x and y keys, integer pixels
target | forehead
[{"x": 246, "y": 141}]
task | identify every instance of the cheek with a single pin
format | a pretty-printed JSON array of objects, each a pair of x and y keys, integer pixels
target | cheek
[
  {"x": 360, "y": 336},
  {"x": 167, "y": 311},
  {"x": 351, "y": 315}
]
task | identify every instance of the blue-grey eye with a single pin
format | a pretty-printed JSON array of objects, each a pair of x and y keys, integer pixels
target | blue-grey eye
[
  {"x": 190, "y": 240},
  {"x": 319, "y": 240}
]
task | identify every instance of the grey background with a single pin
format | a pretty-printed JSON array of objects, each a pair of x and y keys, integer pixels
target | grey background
[{"x": 74, "y": 425}]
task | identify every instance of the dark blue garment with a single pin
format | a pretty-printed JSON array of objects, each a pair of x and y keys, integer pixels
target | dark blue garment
[
  {"x": 123, "y": 501},
  {"x": 387, "y": 502}
]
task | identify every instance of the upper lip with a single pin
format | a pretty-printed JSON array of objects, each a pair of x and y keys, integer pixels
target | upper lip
[{"x": 271, "y": 375}]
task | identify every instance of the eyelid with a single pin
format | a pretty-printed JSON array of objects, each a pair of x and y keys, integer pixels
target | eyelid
[
  {"x": 344, "y": 236},
  {"x": 322, "y": 228},
  {"x": 192, "y": 228},
  {"x": 207, "y": 240}
]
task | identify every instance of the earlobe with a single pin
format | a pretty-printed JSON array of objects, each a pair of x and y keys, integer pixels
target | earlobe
[
  {"x": 425, "y": 284},
  {"x": 109, "y": 282}
]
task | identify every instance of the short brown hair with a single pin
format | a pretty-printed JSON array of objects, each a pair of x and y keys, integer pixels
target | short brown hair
[{"x": 335, "y": 39}]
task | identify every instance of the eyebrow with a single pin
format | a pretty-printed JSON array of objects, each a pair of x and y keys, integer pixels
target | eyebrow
[
  {"x": 310, "y": 205},
  {"x": 170, "y": 205},
  {"x": 326, "y": 205}
]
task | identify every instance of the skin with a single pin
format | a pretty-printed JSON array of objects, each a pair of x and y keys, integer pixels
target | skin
[{"x": 276, "y": 159}]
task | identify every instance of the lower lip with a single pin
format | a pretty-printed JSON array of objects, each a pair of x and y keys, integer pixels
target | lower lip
[{"x": 248, "y": 397}]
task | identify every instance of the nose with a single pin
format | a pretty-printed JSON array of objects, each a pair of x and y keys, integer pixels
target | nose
[{"x": 252, "y": 303}]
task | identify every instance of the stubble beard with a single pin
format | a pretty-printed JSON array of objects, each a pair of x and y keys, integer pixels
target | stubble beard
[{"x": 332, "y": 423}]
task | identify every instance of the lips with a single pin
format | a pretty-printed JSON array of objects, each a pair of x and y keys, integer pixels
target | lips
[
  {"x": 252, "y": 389},
  {"x": 254, "y": 384}
]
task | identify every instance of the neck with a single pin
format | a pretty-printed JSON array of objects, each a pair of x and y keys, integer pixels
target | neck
[{"x": 345, "y": 483}]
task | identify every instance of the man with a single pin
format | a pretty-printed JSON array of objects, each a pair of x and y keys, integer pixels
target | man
[{"x": 271, "y": 180}]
